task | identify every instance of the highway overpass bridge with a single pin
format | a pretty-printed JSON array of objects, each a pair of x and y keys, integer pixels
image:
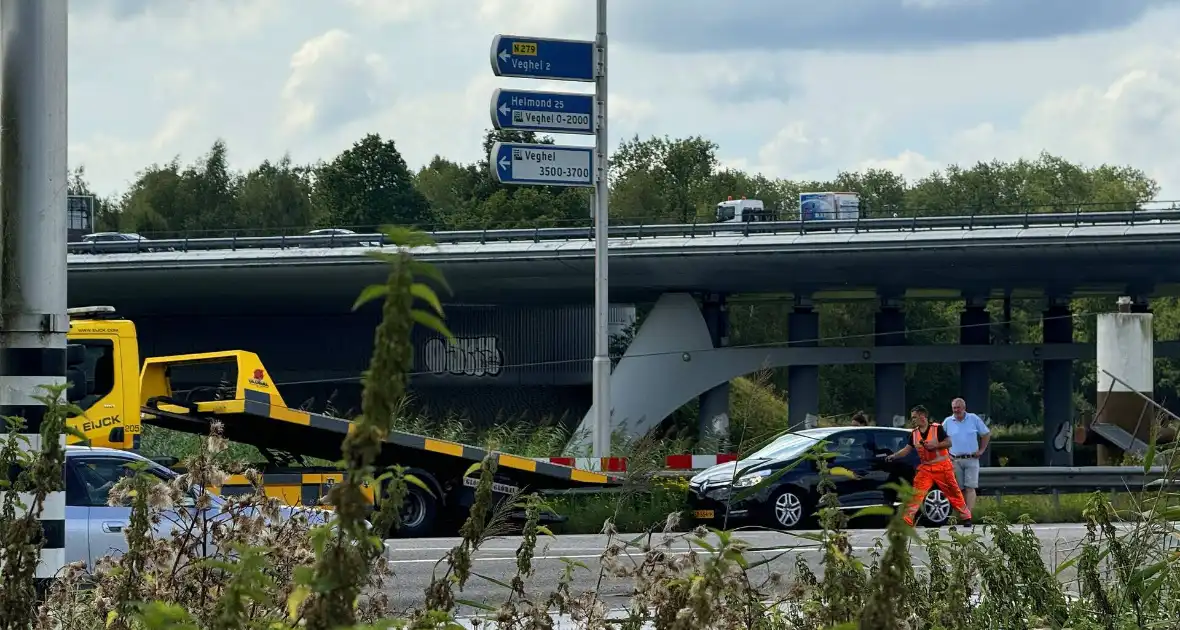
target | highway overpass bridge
[
  {"x": 932, "y": 257},
  {"x": 293, "y": 295}
]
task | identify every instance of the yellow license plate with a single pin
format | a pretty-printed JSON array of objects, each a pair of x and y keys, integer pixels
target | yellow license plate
[{"x": 703, "y": 513}]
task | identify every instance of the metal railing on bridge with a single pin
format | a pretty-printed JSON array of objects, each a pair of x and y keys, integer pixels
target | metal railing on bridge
[{"x": 695, "y": 230}]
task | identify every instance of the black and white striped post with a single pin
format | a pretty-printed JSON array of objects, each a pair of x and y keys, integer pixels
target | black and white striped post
[{"x": 33, "y": 172}]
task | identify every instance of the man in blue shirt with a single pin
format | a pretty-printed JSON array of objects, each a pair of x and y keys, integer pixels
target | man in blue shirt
[{"x": 969, "y": 437}]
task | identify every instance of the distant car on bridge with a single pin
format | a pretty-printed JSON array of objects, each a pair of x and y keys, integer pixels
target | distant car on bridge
[
  {"x": 119, "y": 237},
  {"x": 109, "y": 237},
  {"x": 346, "y": 238}
]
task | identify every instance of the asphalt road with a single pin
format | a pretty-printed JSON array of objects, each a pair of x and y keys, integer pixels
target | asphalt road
[{"x": 414, "y": 561}]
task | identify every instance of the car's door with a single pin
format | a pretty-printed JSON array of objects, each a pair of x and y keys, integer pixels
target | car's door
[
  {"x": 106, "y": 525},
  {"x": 77, "y": 518},
  {"x": 888, "y": 441},
  {"x": 859, "y": 483}
]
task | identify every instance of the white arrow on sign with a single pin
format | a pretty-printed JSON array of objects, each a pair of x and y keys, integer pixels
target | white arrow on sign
[
  {"x": 505, "y": 163},
  {"x": 504, "y": 56},
  {"x": 504, "y": 109}
]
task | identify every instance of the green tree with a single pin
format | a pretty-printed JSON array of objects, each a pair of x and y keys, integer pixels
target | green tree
[
  {"x": 369, "y": 185},
  {"x": 209, "y": 190},
  {"x": 277, "y": 195},
  {"x": 155, "y": 197},
  {"x": 680, "y": 168},
  {"x": 448, "y": 187},
  {"x": 1046, "y": 184},
  {"x": 197, "y": 201}
]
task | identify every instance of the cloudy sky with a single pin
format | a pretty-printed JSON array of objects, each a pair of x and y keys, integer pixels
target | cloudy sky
[{"x": 791, "y": 88}]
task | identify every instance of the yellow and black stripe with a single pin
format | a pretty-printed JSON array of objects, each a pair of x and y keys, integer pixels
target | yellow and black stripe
[
  {"x": 256, "y": 420},
  {"x": 291, "y": 488},
  {"x": 258, "y": 403}
]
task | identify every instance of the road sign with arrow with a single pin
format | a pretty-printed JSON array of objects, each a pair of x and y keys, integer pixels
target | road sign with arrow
[
  {"x": 542, "y": 164},
  {"x": 544, "y": 112},
  {"x": 536, "y": 58}
]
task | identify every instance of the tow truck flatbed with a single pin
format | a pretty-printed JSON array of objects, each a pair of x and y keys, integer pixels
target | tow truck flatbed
[{"x": 251, "y": 411}]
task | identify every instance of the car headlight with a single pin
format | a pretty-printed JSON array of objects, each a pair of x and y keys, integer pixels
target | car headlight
[{"x": 752, "y": 479}]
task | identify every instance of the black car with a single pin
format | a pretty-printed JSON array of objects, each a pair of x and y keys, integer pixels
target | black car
[{"x": 789, "y": 501}]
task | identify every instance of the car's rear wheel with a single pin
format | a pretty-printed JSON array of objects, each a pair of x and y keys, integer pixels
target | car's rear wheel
[
  {"x": 788, "y": 509},
  {"x": 936, "y": 508}
]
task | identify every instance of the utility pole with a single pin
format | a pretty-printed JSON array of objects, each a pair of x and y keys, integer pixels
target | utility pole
[
  {"x": 33, "y": 171},
  {"x": 601, "y": 364}
]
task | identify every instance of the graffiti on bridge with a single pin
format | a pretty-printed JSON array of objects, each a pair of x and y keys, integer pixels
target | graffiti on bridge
[
  {"x": 1063, "y": 439},
  {"x": 467, "y": 356}
]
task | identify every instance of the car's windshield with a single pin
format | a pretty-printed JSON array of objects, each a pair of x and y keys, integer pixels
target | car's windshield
[{"x": 787, "y": 446}]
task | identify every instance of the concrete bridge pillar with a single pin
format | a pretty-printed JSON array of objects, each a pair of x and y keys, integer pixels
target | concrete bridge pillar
[
  {"x": 713, "y": 418},
  {"x": 975, "y": 376},
  {"x": 802, "y": 380},
  {"x": 890, "y": 377},
  {"x": 1057, "y": 327}
]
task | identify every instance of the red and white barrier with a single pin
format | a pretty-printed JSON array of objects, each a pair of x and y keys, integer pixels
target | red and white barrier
[
  {"x": 619, "y": 464},
  {"x": 697, "y": 462}
]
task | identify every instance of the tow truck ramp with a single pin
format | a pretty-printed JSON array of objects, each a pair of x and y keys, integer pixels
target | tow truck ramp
[{"x": 252, "y": 411}]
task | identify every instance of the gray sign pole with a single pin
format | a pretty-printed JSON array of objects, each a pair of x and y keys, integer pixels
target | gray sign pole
[
  {"x": 601, "y": 382},
  {"x": 33, "y": 320}
]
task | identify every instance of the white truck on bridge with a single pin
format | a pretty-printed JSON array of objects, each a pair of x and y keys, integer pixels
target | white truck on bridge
[{"x": 743, "y": 211}]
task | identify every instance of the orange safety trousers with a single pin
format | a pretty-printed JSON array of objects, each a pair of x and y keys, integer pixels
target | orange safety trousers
[{"x": 941, "y": 474}]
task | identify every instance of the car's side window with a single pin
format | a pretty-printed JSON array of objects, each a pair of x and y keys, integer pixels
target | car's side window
[
  {"x": 891, "y": 441},
  {"x": 851, "y": 446},
  {"x": 95, "y": 477},
  {"x": 99, "y": 368}
]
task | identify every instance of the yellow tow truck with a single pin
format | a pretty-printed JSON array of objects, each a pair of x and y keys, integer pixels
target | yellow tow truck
[{"x": 117, "y": 396}]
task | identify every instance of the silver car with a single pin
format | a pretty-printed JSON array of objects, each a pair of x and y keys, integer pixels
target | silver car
[
  {"x": 342, "y": 237},
  {"x": 95, "y": 529}
]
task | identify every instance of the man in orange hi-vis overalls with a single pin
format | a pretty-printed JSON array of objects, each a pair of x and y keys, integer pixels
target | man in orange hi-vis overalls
[{"x": 934, "y": 467}]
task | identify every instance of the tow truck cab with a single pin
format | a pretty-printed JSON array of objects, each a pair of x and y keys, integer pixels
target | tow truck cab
[{"x": 103, "y": 368}]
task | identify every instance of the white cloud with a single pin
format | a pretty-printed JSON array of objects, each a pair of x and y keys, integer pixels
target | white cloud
[
  {"x": 386, "y": 11},
  {"x": 909, "y": 164},
  {"x": 333, "y": 82},
  {"x": 1130, "y": 119},
  {"x": 1124, "y": 118}
]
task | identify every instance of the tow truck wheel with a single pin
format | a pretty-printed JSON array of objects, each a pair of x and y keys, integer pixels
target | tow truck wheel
[{"x": 417, "y": 515}]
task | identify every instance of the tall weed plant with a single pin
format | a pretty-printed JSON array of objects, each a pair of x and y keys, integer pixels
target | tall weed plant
[{"x": 253, "y": 563}]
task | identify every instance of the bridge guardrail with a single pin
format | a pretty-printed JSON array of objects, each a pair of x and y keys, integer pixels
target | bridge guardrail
[
  {"x": 999, "y": 480},
  {"x": 1046, "y": 479},
  {"x": 910, "y": 224}
]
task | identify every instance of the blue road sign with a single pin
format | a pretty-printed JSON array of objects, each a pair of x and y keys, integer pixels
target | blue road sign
[
  {"x": 551, "y": 112},
  {"x": 536, "y": 58},
  {"x": 542, "y": 164}
]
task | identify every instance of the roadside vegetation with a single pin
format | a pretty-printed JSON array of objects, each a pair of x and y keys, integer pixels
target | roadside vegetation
[{"x": 253, "y": 571}]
